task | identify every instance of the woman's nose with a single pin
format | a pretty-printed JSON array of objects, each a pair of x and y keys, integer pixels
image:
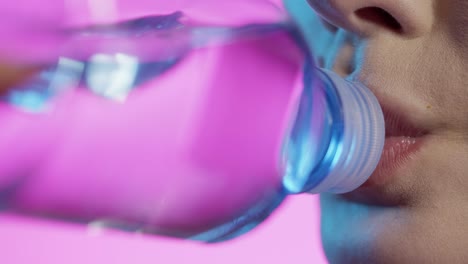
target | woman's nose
[{"x": 407, "y": 18}]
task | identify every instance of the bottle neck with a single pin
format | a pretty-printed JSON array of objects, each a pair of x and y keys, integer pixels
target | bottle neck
[
  {"x": 357, "y": 151},
  {"x": 337, "y": 137}
]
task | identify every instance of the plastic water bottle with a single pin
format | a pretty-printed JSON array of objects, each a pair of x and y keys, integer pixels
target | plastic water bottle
[{"x": 178, "y": 126}]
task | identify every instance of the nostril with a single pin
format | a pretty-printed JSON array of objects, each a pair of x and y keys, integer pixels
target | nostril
[{"x": 380, "y": 17}]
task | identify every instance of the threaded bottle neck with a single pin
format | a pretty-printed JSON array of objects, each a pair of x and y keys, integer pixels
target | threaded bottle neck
[
  {"x": 359, "y": 149},
  {"x": 337, "y": 139}
]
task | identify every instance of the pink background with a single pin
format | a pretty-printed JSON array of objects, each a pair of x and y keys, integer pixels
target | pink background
[{"x": 291, "y": 235}]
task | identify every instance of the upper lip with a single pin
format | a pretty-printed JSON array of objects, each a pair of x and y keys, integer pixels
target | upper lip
[
  {"x": 401, "y": 119},
  {"x": 398, "y": 125}
]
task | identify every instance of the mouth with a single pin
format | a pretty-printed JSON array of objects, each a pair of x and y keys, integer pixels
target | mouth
[{"x": 403, "y": 142}]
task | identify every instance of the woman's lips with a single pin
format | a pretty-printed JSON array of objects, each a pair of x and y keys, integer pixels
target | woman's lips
[
  {"x": 403, "y": 142},
  {"x": 397, "y": 152}
]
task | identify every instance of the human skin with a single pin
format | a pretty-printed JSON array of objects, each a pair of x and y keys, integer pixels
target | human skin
[
  {"x": 13, "y": 75},
  {"x": 415, "y": 59}
]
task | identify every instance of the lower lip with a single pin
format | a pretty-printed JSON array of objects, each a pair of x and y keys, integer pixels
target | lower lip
[{"x": 397, "y": 153}]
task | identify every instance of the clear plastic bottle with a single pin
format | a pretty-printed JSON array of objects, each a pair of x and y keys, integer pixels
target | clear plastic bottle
[{"x": 208, "y": 128}]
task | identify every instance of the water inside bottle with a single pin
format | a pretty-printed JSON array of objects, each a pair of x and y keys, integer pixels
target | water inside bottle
[
  {"x": 112, "y": 61},
  {"x": 133, "y": 52}
]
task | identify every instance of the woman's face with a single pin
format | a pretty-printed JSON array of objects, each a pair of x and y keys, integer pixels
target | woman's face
[{"x": 413, "y": 54}]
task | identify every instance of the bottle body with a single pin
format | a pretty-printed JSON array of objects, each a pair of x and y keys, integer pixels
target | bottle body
[{"x": 207, "y": 144}]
